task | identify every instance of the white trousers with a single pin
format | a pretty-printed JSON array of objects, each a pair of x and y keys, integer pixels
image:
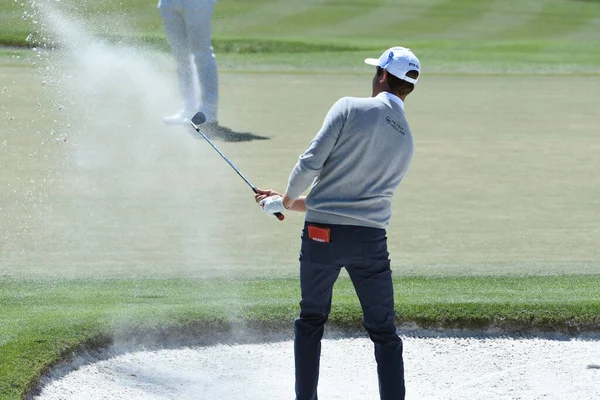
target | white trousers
[{"x": 188, "y": 27}]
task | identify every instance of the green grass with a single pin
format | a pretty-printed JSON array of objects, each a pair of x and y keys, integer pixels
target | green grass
[
  {"x": 44, "y": 321},
  {"x": 533, "y": 36}
]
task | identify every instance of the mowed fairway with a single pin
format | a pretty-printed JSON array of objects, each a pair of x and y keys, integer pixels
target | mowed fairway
[
  {"x": 466, "y": 36},
  {"x": 502, "y": 181},
  {"x": 116, "y": 228}
]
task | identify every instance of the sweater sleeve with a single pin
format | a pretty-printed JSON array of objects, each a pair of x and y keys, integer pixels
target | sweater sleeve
[{"x": 310, "y": 164}]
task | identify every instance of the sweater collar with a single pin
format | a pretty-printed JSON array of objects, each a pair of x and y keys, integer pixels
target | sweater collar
[{"x": 392, "y": 97}]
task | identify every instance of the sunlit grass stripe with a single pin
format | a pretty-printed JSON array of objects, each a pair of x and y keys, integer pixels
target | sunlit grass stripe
[
  {"x": 308, "y": 22},
  {"x": 555, "y": 20},
  {"x": 260, "y": 22},
  {"x": 237, "y": 11},
  {"x": 259, "y": 17},
  {"x": 502, "y": 16},
  {"x": 379, "y": 21},
  {"x": 446, "y": 16},
  {"x": 589, "y": 32}
]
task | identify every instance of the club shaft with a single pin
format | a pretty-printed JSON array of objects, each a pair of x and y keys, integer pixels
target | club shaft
[
  {"x": 278, "y": 215},
  {"x": 227, "y": 159}
]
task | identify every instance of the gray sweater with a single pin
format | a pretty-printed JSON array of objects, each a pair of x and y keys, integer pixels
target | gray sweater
[{"x": 355, "y": 163}]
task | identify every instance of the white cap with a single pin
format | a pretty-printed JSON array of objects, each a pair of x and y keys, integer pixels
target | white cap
[{"x": 398, "y": 61}]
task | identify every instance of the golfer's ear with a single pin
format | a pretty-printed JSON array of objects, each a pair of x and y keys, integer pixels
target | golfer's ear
[{"x": 384, "y": 76}]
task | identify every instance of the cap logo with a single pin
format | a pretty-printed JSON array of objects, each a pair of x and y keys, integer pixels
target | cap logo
[
  {"x": 413, "y": 65},
  {"x": 390, "y": 57}
]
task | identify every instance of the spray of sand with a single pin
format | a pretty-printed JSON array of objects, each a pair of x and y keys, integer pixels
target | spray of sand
[
  {"x": 134, "y": 190},
  {"x": 130, "y": 185}
]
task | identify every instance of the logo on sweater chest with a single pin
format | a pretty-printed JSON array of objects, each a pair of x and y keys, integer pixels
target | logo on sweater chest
[{"x": 395, "y": 124}]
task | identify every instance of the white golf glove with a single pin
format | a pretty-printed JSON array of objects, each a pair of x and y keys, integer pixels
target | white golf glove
[{"x": 272, "y": 205}]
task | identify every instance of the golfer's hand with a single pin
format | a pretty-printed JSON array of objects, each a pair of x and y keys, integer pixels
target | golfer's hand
[
  {"x": 263, "y": 194},
  {"x": 272, "y": 204}
]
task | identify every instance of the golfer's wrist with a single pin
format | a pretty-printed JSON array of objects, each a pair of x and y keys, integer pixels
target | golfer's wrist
[{"x": 287, "y": 202}]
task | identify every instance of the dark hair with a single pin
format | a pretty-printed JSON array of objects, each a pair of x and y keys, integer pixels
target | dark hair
[{"x": 397, "y": 85}]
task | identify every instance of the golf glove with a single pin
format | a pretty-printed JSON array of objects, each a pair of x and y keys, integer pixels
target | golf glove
[{"x": 272, "y": 205}]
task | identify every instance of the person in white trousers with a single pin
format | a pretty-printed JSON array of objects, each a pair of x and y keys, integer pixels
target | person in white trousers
[{"x": 188, "y": 27}]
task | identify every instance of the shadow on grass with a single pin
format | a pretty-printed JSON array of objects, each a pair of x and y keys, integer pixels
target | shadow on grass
[{"x": 225, "y": 134}]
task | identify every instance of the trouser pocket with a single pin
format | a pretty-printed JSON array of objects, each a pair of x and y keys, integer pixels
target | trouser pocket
[{"x": 315, "y": 252}]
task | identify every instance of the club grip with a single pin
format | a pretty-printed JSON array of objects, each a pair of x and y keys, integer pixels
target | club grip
[{"x": 278, "y": 215}]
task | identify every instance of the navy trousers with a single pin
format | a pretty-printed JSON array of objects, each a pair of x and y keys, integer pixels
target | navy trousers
[{"x": 363, "y": 252}]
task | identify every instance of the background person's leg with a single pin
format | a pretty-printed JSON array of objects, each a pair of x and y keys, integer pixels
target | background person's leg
[
  {"x": 198, "y": 22},
  {"x": 372, "y": 279},
  {"x": 177, "y": 36},
  {"x": 317, "y": 277}
]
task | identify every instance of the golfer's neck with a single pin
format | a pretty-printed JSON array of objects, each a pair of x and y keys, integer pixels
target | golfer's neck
[{"x": 376, "y": 92}]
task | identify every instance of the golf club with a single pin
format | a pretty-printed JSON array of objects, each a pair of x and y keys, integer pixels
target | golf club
[{"x": 198, "y": 119}]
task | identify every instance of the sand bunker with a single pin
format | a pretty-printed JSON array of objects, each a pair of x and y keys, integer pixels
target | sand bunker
[{"x": 436, "y": 368}]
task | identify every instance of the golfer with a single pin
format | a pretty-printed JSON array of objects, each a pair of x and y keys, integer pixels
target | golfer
[
  {"x": 188, "y": 27},
  {"x": 355, "y": 163}
]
